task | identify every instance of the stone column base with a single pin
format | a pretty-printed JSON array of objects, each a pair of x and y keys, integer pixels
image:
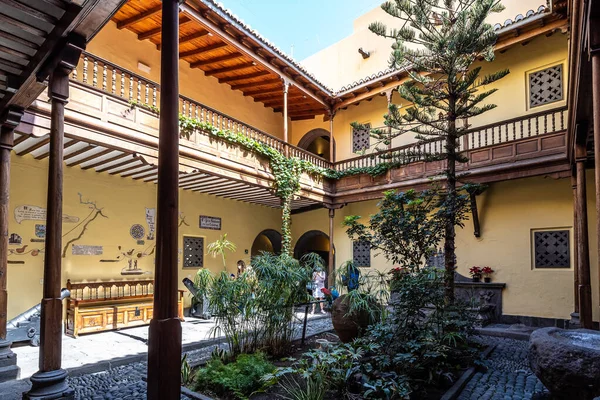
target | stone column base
[
  {"x": 8, "y": 362},
  {"x": 574, "y": 322},
  {"x": 51, "y": 385}
]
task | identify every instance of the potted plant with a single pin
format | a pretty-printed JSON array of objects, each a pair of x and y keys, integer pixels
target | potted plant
[
  {"x": 475, "y": 273},
  {"x": 487, "y": 274}
]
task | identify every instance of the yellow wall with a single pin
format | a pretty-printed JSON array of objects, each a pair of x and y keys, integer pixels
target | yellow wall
[
  {"x": 511, "y": 98},
  {"x": 508, "y": 212},
  {"x": 124, "y": 49},
  {"x": 123, "y": 202},
  {"x": 345, "y": 64}
]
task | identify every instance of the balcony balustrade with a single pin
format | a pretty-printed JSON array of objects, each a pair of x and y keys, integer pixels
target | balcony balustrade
[{"x": 110, "y": 99}]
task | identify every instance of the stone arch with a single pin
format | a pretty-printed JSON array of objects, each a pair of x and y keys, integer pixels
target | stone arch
[
  {"x": 315, "y": 140},
  {"x": 267, "y": 240},
  {"x": 314, "y": 241}
]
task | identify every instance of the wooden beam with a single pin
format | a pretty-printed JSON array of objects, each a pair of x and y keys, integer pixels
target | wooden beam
[
  {"x": 254, "y": 84},
  {"x": 201, "y": 50},
  {"x": 91, "y": 157},
  {"x": 139, "y": 17},
  {"x": 188, "y": 38},
  {"x": 67, "y": 145},
  {"x": 156, "y": 31},
  {"x": 308, "y": 108},
  {"x": 229, "y": 69},
  {"x": 243, "y": 77},
  {"x": 215, "y": 60},
  {"x": 263, "y": 92},
  {"x": 148, "y": 168},
  {"x": 100, "y": 162},
  {"x": 117, "y": 165},
  {"x": 34, "y": 147}
]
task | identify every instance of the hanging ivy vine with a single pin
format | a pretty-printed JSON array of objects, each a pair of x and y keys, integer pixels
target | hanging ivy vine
[{"x": 287, "y": 171}]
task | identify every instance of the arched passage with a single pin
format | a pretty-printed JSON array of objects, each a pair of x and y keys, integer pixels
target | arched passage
[
  {"x": 317, "y": 141},
  {"x": 313, "y": 242},
  {"x": 268, "y": 240}
]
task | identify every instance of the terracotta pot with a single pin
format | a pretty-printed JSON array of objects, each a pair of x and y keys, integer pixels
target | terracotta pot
[{"x": 348, "y": 327}]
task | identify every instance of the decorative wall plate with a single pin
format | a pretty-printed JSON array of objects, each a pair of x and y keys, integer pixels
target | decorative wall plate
[{"x": 137, "y": 231}]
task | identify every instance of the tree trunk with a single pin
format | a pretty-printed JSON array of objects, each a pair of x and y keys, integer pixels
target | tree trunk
[{"x": 450, "y": 229}]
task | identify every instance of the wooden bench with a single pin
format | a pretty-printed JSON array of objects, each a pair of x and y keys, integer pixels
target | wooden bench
[{"x": 104, "y": 306}]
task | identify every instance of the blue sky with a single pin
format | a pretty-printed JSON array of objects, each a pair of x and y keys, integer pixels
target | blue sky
[{"x": 307, "y": 25}]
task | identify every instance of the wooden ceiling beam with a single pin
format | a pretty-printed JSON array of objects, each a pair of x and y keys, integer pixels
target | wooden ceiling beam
[
  {"x": 156, "y": 31},
  {"x": 109, "y": 160},
  {"x": 196, "y": 35},
  {"x": 308, "y": 107},
  {"x": 139, "y": 17},
  {"x": 229, "y": 69},
  {"x": 91, "y": 157},
  {"x": 78, "y": 152},
  {"x": 243, "y": 77},
  {"x": 279, "y": 100},
  {"x": 66, "y": 146},
  {"x": 263, "y": 92},
  {"x": 254, "y": 84},
  {"x": 202, "y": 50},
  {"x": 189, "y": 11},
  {"x": 215, "y": 60},
  {"x": 34, "y": 147},
  {"x": 127, "y": 169}
]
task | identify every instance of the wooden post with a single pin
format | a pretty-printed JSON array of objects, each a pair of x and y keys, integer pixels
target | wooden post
[
  {"x": 575, "y": 314},
  {"x": 331, "y": 139},
  {"x": 286, "y": 89},
  {"x": 9, "y": 121},
  {"x": 50, "y": 381},
  {"x": 164, "y": 340},
  {"x": 475, "y": 214},
  {"x": 595, "y": 53},
  {"x": 583, "y": 258},
  {"x": 331, "y": 268}
]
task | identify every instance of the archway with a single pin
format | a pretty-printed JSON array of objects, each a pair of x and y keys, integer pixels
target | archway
[
  {"x": 317, "y": 141},
  {"x": 313, "y": 242},
  {"x": 268, "y": 240}
]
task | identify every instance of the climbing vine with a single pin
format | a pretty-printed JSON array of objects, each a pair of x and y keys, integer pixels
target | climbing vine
[{"x": 287, "y": 171}]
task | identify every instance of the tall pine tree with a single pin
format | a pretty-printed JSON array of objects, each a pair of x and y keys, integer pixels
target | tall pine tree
[{"x": 439, "y": 42}]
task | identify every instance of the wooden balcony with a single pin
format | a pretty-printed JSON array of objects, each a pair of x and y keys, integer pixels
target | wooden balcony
[
  {"x": 112, "y": 126},
  {"x": 533, "y": 145}
]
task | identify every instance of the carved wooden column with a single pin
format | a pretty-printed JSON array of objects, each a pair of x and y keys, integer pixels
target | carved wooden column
[
  {"x": 595, "y": 53},
  {"x": 583, "y": 258},
  {"x": 49, "y": 382},
  {"x": 286, "y": 89},
  {"x": 164, "y": 341},
  {"x": 331, "y": 138},
  {"x": 575, "y": 314},
  {"x": 9, "y": 121}
]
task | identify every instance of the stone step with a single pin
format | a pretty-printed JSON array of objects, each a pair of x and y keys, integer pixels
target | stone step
[{"x": 9, "y": 373}]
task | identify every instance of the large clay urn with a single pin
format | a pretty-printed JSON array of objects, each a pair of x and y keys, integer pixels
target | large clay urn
[{"x": 349, "y": 326}]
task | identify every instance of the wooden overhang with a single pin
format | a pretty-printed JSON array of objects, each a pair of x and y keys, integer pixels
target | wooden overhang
[
  {"x": 579, "y": 97},
  {"x": 215, "y": 43},
  {"x": 30, "y": 30}
]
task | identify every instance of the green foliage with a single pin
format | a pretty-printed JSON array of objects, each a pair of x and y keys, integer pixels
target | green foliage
[
  {"x": 147, "y": 107},
  {"x": 255, "y": 311},
  {"x": 439, "y": 42},
  {"x": 219, "y": 247},
  {"x": 241, "y": 378},
  {"x": 420, "y": 345},
  {"x": 202, "y": 281},
  {"x": 186, "y": 372},
  {"x": 409, "y": 226}
]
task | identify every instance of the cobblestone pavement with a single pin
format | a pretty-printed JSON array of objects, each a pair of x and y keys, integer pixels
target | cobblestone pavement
[
  {"x": 125, "y": 382},
  {"x": 508, "y": 376}
]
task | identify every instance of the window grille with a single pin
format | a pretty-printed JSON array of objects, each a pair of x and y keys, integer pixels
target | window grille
[
  {"x": 361, "y": 138},
  {"x": 193, "y": 252},
  {"x": 552, "y": 249},
  {"x": 546, "y": 86},
  {"x": 361, "y": 254}
]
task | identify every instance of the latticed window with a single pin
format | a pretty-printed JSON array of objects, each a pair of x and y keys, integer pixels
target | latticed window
[
  {"x": 361, "y": 254},
  {"x": 546, "y": 86},
  {"x": 552, "y": 249},
  {"x": 361, "y": 138},
  {"x": 193, "y": 252}
]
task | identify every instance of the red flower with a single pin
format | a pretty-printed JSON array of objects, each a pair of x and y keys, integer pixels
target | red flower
[
  {"x": 487, "y": 271},
  {"x": 475, "y": 271}
]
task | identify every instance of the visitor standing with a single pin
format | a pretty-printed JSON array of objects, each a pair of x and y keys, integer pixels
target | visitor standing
[{"x": 318, "y": 284}]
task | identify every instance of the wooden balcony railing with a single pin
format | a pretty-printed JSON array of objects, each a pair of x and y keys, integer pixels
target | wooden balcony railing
[
  {"x": 112, "y": 79},
  {"x": 116, "y": 81},
  {"x": 527, "y": 126}
]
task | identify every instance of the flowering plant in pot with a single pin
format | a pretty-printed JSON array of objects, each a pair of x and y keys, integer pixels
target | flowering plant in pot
[
  {"x": 475, "y": 273},
  {"x": 487, "y": 274}
]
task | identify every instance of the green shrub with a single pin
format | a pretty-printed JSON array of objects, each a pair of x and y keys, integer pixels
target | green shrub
[{"x": 240, "y": 378}]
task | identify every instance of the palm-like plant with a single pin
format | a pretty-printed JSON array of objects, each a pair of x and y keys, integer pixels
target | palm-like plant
[{"x": 219, "y": 247}]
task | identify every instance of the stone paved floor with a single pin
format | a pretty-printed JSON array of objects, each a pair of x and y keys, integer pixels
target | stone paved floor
[
  {"x": 508, "y": 376},
  {"x": 125, "y": 382}
]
